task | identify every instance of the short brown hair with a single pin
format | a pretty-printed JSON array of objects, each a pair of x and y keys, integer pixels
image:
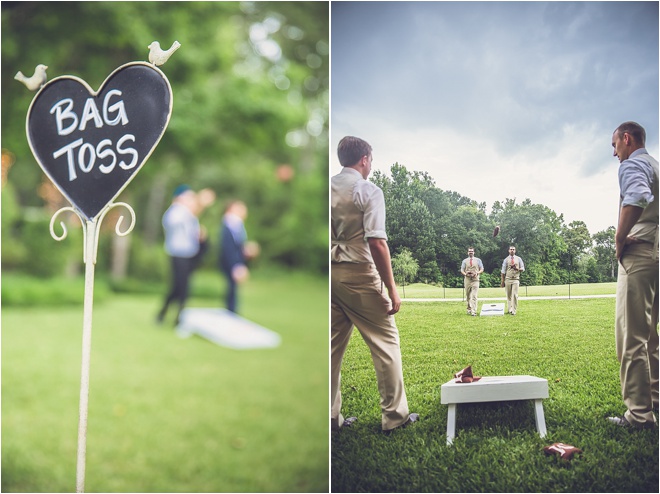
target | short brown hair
[
  {"x": 351, "y": 149},
  {"x": 635, "y": 130}
]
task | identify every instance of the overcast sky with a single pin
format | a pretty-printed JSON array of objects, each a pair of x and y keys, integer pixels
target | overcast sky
[{"x": 499, "y": 100}]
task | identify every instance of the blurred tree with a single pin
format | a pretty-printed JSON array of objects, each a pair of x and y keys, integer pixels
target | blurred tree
[{"x": 250, "y": 85}]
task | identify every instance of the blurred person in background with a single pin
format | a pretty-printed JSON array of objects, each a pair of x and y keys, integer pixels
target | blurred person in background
[
  {"x": 185, "y": 242},
  {"x": 235, "y": 251}
]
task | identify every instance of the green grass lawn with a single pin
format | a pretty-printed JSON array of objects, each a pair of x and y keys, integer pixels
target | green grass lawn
[
  {"x": 421, "y": 290},
  {"x": 166, "y": 414},
  {"x": 497, "y": 449}
]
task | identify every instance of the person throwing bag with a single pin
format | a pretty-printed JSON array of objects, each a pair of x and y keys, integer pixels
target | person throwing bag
[
  {"x": 512, "y": 266},
  {"x": 471, "y": 268}
]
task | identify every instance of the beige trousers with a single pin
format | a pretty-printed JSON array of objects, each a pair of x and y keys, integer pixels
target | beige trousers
[
  {"x": 471, "y": 291},
  {"x": 357, "y": 299},
  {"x": 511, "y": 287},
  {"x": 637, "y": 333}
]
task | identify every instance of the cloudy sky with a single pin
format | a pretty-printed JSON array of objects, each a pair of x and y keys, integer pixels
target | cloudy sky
[{"x": 499, "y": 100}]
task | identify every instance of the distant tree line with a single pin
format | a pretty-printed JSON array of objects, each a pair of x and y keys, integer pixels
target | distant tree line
[{"x": 435, "y": 227}]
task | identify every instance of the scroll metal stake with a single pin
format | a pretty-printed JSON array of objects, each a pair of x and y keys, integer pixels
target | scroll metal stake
[{"x": 90, "y": 247}]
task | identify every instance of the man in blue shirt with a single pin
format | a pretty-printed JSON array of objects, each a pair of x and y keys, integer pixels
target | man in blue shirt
[
  {"x": 232, "y": 261},
  {"x": 637, "y": 282}
]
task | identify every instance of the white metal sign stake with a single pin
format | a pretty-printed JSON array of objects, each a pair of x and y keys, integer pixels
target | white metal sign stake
[
  {"x": 90, "y": 249},
  {"x": 91, "y": 144}
]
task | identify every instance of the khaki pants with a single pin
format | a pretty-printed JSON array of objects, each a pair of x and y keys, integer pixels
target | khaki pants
[
  {"x": 357, "y": 298},
  {"x": 511, "y": 287},
  {"x": 636, "y": 332},
  {"x": 471, "y": 291}
]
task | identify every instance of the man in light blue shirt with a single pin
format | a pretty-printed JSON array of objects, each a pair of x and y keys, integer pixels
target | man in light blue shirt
[
  {"x": 637, "y": 282},
  {"x": 185, "y": 243}
]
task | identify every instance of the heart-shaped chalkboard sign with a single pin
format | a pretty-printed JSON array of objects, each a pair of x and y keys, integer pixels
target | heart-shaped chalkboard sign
[{"x": 92, "y": 144}]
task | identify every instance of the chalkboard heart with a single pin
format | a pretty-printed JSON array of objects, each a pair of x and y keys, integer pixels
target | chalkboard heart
[{"x": 92, "y": 144}]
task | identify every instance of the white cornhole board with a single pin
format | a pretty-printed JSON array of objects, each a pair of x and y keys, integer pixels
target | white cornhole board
[
  {"x": 494, "y": 388},
  {"x": 225, "y": 328},
  {"x": 492, "y": 310}
]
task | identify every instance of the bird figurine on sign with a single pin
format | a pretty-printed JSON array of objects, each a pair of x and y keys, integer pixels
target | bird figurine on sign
[
  {"x": 158, "y": 56},
  {"x": 36, "y": 81}
]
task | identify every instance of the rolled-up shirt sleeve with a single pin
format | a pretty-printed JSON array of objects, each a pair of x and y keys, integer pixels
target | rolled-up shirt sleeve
[
  {"x": 370, "y": 199},
  {"x": 635, "y": 179}
]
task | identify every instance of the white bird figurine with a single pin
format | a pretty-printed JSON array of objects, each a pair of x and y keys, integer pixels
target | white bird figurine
[
  {"x": 157, "y": 56},
  {"x": 36, "y": 81}
]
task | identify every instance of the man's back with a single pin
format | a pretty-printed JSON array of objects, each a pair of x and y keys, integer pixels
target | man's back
[{"x": 347, "y": 220}]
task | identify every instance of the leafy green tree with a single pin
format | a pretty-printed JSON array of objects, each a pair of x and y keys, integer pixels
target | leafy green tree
[
  {"x": 408, "y": 221},
  {"x": 534, "y": 230},
  {"x": 578, "y": 241},
  {"x": 605, "y": 253},
  {"x": 437, "y": 227},
  {"x": 594, "y": 274},
  {"x": 404, "y": 267}
]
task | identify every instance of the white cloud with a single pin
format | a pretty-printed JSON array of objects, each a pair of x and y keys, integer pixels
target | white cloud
[
  {"x": 554, "y": 177},
  {"x": 526, "y": 88}
]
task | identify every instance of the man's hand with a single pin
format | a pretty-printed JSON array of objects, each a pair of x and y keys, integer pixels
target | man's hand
[
  {"x": 620, "y": 248},
  {"x": 240, "y": 273},
  {"x": 381, "y": 256},
  {"x": 628, "y": 216},
  {"x": 396, "y": 303}
]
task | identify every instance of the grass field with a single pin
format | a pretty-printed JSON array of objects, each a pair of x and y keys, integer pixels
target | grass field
[
  {"x": 420, "y": 290},
  {"x": 169, "y": 415},
  {"x": 497, "y": 448}
]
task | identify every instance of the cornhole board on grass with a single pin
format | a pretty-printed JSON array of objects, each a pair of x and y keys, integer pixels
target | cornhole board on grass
[
  {"x": 492, "y": 310},
  {"x": 225, "y": 328},
  {"x": 494, "y": 388}
]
